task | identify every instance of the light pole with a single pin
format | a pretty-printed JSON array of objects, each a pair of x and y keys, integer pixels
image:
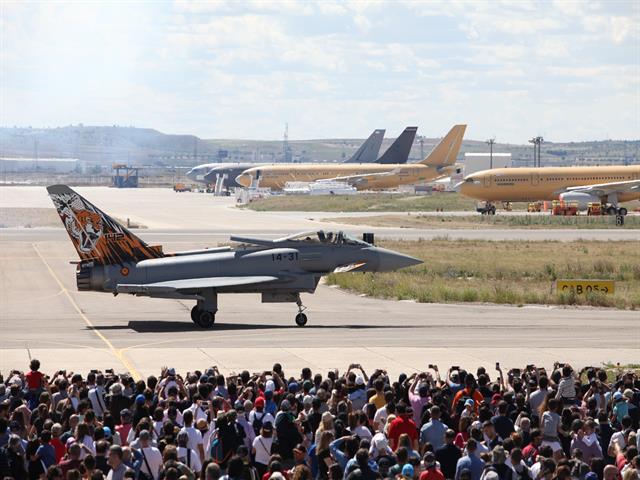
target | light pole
[
  {"x": 490, "y": 142},
  {"x": 539, "y": 141},
  {"x": 534, "y": 141}
]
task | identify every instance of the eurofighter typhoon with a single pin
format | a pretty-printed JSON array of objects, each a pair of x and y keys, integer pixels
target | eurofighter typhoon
[{"x": 114, "y": 260}]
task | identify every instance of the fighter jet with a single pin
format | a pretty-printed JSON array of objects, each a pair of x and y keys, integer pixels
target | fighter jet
[{"x": 114, "y": 260}]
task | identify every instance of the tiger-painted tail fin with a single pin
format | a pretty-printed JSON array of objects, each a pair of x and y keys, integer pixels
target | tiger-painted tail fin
[{"x": 96, "y": 236}]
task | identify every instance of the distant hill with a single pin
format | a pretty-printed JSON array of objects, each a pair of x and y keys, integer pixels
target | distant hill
[{"x": 145, "y": 146}]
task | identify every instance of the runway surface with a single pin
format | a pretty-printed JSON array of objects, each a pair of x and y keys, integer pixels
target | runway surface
[{"x": 43, "y": 315}]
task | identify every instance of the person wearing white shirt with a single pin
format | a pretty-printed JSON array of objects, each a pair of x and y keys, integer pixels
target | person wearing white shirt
[
  {"x": 195, "y": 437},
  {"x": 151, "y": 456},
  {"x": 199, "y": 410},
  {"x": 96, "y": 397},
  {"x": 187, "y": 455},
  {"x": 261, "y": 448}
]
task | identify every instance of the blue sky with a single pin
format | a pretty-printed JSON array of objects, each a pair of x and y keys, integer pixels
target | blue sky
[{"x": 569, "y": 71}]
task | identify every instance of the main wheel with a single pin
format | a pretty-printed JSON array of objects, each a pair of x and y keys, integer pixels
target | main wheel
[
  {"x": 611, "y": 211},
  {"x": 622, "y": 211},
  {"x": 301, "y": 319},
  {"x": 492, "y": 211},
  {"x": 194, "y": 314},
  {"x": 205, "y": 319}
]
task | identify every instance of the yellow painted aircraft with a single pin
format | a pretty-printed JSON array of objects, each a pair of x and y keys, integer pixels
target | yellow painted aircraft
[
  {"x": 606, "y": 185},
  {"x": 364, "y": 176}
]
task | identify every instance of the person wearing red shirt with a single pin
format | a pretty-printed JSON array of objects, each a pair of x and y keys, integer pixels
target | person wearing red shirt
[
  {"x": 56, "y": 443},
  {"x": 530, "y": 452},
  {"x": 34, "y": 377},
  {"x": 403, "y": 424},
  {"x": 431, "y": 472}
]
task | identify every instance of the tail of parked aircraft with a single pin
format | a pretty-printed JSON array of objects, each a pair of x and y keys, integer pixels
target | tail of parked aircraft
[
  {"x": 368, "y": 151},
  {"x": 96, "y": 236},
  {"x": 446, "y": 151},
  {"x": 399, "y": 150}
]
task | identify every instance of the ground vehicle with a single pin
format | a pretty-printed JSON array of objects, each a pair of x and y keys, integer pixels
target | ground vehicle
[
  {"x": 181, "y": 187},
  {"x": 566, "y": 209},
  {"x": 486, "y": 208}
]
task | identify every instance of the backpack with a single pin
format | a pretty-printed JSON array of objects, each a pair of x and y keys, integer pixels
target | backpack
[
  {"x": 257, "y": 422},
  {"x": 216, "y": 450}
]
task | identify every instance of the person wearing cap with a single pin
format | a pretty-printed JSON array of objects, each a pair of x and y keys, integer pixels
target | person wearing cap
[
  {"x": 299, "y": 455},
  {"x": 124, "y": 427},
  {"x": 288, "y": 432},
  {"x": 151, "y": 457},
  {"x": 431, "y": 470},
  {"x": 242, "y": 422},
  {"x": 433, "y": 431},
  {"x": 258, "y": 417},
  {"x": 620, "y": 406},
  {"x": 408, "y": 472},
  {"x": 469, "y": 391},
  {"x": 469, "y": 409},
  {"x": 187, "y": 455}
]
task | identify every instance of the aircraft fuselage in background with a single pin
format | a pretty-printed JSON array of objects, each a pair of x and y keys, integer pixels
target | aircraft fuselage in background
[{"x": 550, "y": 183}]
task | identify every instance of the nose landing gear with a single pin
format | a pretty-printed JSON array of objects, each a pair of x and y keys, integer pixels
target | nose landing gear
[{"x": 301, "y": 318}]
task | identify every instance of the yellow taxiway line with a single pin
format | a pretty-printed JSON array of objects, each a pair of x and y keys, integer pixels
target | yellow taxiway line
[{"x": 119, "y": 354}]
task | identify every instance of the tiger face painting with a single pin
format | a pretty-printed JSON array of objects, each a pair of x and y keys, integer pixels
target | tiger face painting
[{"x": 83, "y": 224}]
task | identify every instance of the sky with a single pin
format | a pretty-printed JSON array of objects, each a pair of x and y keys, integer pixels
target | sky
[{"x": 569, "y": 71}]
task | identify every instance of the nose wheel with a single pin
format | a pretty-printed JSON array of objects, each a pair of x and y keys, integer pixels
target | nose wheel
[{"x": 301, "y": 318}]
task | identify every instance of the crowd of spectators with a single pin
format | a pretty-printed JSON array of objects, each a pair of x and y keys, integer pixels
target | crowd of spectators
[{"x": 529, "y": 424}]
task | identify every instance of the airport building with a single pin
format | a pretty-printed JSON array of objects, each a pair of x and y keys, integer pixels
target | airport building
[{"x": 475, "y": 162}]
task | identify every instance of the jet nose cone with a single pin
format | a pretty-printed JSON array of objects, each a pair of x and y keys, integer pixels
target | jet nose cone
[
  {"x": 244, "y": 179},
  {"x": 390, "y": 260}
]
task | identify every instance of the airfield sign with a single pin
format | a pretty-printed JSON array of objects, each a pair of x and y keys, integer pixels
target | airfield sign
[{"x": 583, "y": 287}]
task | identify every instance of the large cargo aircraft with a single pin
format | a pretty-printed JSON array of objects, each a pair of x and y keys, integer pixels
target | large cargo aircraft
[
  {"x": 209, "y": 173},
  {"x": 439, "y": 163},
  {"x": 113, "y": 260},
  {"x": 606, "y": 185}
]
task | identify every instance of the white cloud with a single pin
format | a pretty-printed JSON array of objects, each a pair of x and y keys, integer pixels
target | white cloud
[{"x": 332, "y": 69}]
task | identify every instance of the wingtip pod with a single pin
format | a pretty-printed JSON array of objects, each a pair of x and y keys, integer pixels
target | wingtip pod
[
  {"x": 96, "y": 236},
  {"x": 446, "y": 151}
]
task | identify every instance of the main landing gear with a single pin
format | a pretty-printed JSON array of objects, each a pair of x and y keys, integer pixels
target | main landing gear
[
  {"x": 301, "y": 318},
  {"x": 204, "y": 313},
  {"x": 203, "y": 318}
]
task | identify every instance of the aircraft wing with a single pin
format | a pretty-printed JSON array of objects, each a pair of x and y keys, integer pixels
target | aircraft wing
[
  {"x": 191, "y": 284},
  {"x": 607, "y": 188},
  {"x": 360, "y": 178}
]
